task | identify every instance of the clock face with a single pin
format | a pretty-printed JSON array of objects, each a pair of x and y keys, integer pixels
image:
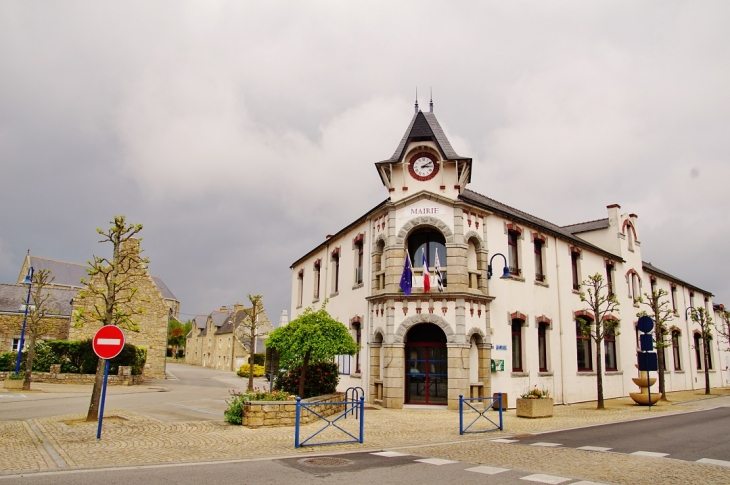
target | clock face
[{"x": 423, "y": 166}]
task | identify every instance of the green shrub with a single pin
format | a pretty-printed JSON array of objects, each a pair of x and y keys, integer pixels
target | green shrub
[
  {"x": 7, "y": 361},
  {"x": 258, "y": 370},
  {"x": 259, "y": 359},
  {"x": 234, "y": 413},
  {"x": 321, "y": 379}
]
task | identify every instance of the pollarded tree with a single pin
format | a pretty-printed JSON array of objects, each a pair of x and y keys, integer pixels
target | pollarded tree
[
  {"x": 42, "y": 306},
  {"x": 254, "y": 325},
  {"x": 703, "y": 318},
  {"x": 112, "y": 290},
  {"x": 602, "y": 303},
  {"x": 659, "y": 311},
  {"x": 314, "y": 336},
  {"x": 723, "y": 326}
]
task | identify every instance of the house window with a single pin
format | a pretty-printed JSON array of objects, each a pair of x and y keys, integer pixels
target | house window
[
  {"x": 675, "y": 350},
  {"x": 343, "y": 365},
  {"x": 517, "y": 345},
  {"x": 539, "y": 272},
  {"x": 635, "y": 286},
  {"x": 15, "y": 345},
  {"x": 609, "y": 278},
  {"x": 317, "y": 272},
  {"x": 358, "y": 262},
  {"x": 300, "y": 287},
  {"x": 583, "y": 346},
  {"x": 609, "y": 346},
  {"x": 692, "y": 299},
  {"x": 542, "y": 346},
  {"x": 709, "y": 354},
  {"x": 574, "y": 256},
  {"x": 514, "y": 259},
  {"x": 674, "y": 298},
  {"x": 698, "y": 350},
  {"x": 336, "y": 269},
  {"x": 358, "y": 341}
]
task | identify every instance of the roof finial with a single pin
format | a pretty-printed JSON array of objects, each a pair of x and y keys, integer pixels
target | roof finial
[
  {"x": 416, "y": 107},
  {"x": 430, "y": 103}
]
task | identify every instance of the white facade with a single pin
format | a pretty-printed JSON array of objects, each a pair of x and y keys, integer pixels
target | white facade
[{"x": 453, "y": 336}]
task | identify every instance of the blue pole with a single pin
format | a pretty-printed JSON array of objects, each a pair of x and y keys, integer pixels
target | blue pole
[
  {"x": 103, "y": 398},
  {"x": 461, "y": 414},
  {"x": 362, "y": 417},
  {"x": 501, "y": 425},
  {"x": 296, "y": 424},
  {"x": 25, "y": 318}
]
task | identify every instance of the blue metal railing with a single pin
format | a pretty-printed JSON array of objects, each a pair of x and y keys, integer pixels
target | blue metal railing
[
  {"x": 348, "y": 408},
  {"x": 489, "y": 403}
]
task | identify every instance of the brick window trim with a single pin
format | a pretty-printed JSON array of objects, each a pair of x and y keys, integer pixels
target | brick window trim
[
  {"x": 514, "y": 228},
  {"x": 318, "y": 263},
  {"x": 545, "y": 320},
  {"x": 301, "y": 273},
  {"x": 356, "y": 319},
  {"x": 536, "y": 236},
  {"x": 336, "y": 252},
  {"x": 575, "y": 250},
  {"x": 518, "y": 315},
  {"x": 358, "y": 239},
  {"x": 584, "y": 313}
]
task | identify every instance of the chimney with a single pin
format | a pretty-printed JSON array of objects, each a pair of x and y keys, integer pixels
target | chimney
[
  {"x": 613, "y": 216},
  {"x": 284, "y": 318}
]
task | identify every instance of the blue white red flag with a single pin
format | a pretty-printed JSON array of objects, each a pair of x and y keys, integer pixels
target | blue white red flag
[
  {"x": 406, "y": 279},
  {"x": 426, "y": 275}
]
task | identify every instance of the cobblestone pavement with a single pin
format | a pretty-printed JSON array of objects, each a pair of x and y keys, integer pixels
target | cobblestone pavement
[{"x": 44, "y": 444}]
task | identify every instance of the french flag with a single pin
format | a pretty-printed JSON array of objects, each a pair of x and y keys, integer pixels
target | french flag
[{"x": 426, "y": 275}]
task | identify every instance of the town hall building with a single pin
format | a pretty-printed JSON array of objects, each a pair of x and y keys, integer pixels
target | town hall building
[{"x": 482, "y": 335}]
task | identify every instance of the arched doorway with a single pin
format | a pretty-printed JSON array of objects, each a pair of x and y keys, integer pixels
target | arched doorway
[{"x": 426, "y": 365}]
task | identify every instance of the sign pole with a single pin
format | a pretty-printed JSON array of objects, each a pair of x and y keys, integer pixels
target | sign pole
[{"x": 103, "y": 398}]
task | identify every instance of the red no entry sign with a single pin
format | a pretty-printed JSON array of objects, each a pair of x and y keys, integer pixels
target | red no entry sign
[{"x": 108, "y": 342}]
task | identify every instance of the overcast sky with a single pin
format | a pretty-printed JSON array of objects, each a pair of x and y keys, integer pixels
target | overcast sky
[{"x": 241, "y": 133}]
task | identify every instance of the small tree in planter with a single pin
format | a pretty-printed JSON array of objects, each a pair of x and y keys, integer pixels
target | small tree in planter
[
  {"x": 535, "y": 403},
  {"x": 313, "y": 337}
]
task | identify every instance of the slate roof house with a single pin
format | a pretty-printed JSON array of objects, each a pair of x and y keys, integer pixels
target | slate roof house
[{"x": 480, "y": 336}]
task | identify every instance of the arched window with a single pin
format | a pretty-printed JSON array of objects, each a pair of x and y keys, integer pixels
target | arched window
[
  {"x": 609, "y": 347},
  {"x": 430, "y": 242},
  {"x": 675, "y": 349},
  {"x": 517, "y": 364}
]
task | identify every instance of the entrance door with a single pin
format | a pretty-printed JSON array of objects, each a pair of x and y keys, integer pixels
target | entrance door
[{"x": 426, "y": 366}]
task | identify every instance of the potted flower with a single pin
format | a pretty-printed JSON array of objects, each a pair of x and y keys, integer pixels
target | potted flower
[
  {"x": 535, "y": 403},
  {"x": 13, "y": 381}
]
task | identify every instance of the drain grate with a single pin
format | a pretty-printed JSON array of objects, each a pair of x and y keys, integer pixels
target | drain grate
[{"x": 328, "y": 461}]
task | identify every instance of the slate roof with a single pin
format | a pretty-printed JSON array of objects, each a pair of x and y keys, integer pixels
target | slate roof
[
  {"x": 651, "y": 269},
  {"x": 425, "y": 126},
  {"x": 12, "y": 297},
  {"x": 70, "y": 274},
  {"x": 519, "y": 216},
  {"x": 587, "y": 226}
]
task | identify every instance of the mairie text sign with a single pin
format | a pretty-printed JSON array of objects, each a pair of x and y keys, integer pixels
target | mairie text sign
[{"x": 108, "y": 342}]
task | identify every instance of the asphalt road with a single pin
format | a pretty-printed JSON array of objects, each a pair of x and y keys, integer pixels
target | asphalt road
[
  {"x": 358, "y": 468},
  {"x": 689, "y": 436},
  {"x": 192, "y": 394}
]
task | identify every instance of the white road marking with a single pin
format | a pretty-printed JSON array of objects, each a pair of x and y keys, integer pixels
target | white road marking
[
  {"x": 710, "y": 461},
  {"x": 650, "y": 453},
  {"x": 545, "y": 478},
  {"x": 13, "y": 395},
  {"x": 583, "y": 482},
  {"x": 544, "y": 443},
  {"x": 594, "y": 448},
  {"x": 200, "y": 410},
  {"x": 108, "y": 341},
  {"x": 487, "y": 470},
  {"x": 389, "y": 454},
  {"x": 504, "y": 440},
  {"x": 436, "y": 461}
]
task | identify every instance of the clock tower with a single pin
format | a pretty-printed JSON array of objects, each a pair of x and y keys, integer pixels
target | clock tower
[{"x": 424, "y": 161}]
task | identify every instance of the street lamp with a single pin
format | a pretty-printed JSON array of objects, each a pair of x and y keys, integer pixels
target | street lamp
[
  {"x": 686, "y": 312},
  {"x": 505, "y": 274},
  {"x": 27, "y": 281}
]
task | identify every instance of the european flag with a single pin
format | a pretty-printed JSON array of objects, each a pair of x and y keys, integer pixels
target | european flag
[{"x": 406, "y": 279}]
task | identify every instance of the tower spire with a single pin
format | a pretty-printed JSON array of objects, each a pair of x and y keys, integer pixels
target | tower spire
[
  {"x": 416, "y": 106},
  {"x": 430, "y": 103}
]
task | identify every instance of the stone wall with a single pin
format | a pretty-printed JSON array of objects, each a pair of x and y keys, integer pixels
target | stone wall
[
  {"x": 52, "y": 378},
  {"x": 284, "y": 413},
  {"x": 11, "y": 324},
  {"x": 152, "y": 322}
]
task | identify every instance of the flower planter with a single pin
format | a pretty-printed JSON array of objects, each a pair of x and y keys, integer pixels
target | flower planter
[
  {"x": 535, "y": 408},
  {"x": 13, "y": 384}
]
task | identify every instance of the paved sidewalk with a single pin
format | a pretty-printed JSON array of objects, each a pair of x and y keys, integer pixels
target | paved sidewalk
[{"x": 63, "y": 442}]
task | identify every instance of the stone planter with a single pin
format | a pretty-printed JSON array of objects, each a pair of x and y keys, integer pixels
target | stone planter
[
  {"x": 12, "y": 384},
  {"x": 534, "y": 408}
]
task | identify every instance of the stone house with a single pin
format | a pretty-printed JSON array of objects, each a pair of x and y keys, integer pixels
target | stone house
[
  {"x": 483, "y": 334},
  {"x": 212, "y": 341},
  {"x": 156, "y": 299}
]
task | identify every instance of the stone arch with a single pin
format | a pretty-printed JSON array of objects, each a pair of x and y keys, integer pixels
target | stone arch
[
  {"x": 474, "y": 235},
  {"x": 378, "y": 333},
  {"x": 381, "y": 237},
  {"x": 417, "y": 222},
  {"x": 409, "y": 322},
  {"x": 476, "y": 332}
]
